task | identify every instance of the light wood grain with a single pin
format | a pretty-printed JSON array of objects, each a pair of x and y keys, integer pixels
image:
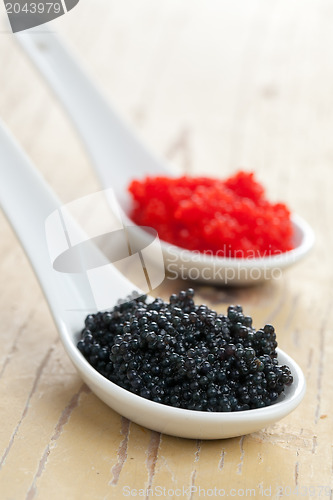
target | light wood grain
[{"x": 209, "y": 86}]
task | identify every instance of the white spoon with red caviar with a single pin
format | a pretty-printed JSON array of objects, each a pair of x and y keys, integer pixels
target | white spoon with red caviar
[
  {"x": 119, "y": 157},
  {"x": 27, "y": 202}
]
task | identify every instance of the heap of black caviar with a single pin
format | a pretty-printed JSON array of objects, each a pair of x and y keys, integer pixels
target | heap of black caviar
[{"x": 186, "y": 355}]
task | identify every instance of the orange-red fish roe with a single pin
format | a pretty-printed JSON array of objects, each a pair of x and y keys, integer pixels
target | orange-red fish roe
[{"x": 230, "y": 217}]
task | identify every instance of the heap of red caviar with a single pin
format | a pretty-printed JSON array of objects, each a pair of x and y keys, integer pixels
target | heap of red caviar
[{"x": 228, "y": 218}]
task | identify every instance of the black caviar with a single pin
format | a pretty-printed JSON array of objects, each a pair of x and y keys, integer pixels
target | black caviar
[{"x": 186, "y": 355}]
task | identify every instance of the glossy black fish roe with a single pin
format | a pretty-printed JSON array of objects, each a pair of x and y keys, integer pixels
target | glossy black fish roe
[{"x": 186, "y": 355}]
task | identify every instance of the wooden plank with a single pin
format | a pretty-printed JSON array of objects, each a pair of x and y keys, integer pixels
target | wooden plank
[{"x": 209, "y": 86}]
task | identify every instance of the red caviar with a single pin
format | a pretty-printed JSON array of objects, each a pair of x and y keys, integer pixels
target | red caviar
[{"x": 228, "y": 218}]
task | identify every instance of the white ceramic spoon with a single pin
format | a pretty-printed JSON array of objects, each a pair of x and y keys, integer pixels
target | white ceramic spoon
[
  {"x": 118, "y": 156},
  {"x": 27, "y": 202}
]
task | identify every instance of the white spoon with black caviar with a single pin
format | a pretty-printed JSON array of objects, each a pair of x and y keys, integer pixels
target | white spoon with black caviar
[
  {"x": 28, "y": 202},
  {"x": 118, "y": 157}
]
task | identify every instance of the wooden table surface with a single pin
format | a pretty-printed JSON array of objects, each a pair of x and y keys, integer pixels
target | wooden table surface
[{"x": 209, "y": 86}]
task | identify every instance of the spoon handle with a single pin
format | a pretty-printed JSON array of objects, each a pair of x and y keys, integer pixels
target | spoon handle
[
  {"x": 27, "y": 201},
  {"x": 113, "y": 147}
]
